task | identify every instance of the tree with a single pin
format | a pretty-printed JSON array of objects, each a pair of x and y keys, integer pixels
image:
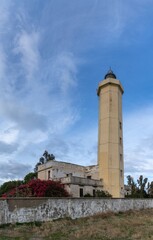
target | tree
[
  {"x": 101, "y": 193},
  {"x": 142, "y": 182},
  {"x": 88, "y": 195},
  {"x": 30, "y": 176},
  {"x": 139, "y": 188},
  {"x": 7, "y": 186},
  {"x": 150, "y": 190},
  {"x": 48, "y": 157},
  {"x": 36, "y": 166},
  {"x": 44, "y": 158},
  {"x": 132, "y": 185}
]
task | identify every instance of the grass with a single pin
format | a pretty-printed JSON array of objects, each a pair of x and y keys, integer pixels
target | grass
[{"x": 131, "y": 225}]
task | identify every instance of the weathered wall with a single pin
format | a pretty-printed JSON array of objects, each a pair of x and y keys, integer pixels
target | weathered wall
[
  {"x": 59, "y": 169},
  {"x": 73, "y": 185},
  {"x": 45, "y": 209}
]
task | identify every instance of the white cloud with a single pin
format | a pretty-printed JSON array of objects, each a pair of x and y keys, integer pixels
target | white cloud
[
  {"x": 80, "y": 147},
  {"x": 11, "y": 170},
  {"x": 6, "y": 149},
  {"x": 64, "y": 69},
  {"x": 10, "y": 135},
  {"x": 138, "y": 140},
  {"x": 22, "y": 116},
  {"x": 2, "y": 65},
  {"x": 27, "y": 46},
  {"x": 4, "y": 15}
]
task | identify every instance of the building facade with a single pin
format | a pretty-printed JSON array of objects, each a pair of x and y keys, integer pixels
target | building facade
[{"x": 78, "y": 180}]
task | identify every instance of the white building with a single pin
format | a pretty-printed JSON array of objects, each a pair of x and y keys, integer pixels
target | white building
[{"x": 78, "y": 180}]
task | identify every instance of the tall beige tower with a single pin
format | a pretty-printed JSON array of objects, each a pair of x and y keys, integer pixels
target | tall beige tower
[{"x": 110, "y": 135}]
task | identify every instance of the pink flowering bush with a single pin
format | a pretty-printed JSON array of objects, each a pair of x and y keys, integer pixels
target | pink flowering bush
[{"x": 38, "y": 188}]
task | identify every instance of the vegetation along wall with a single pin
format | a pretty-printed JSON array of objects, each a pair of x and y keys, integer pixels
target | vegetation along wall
[{"x": 45, "y": 209}]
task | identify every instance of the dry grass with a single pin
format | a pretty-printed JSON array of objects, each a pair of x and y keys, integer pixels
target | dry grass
[{"x": 120, "y": 226}]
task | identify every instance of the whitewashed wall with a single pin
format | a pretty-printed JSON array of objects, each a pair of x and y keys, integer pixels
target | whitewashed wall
[{"x": 45, "y": 209}]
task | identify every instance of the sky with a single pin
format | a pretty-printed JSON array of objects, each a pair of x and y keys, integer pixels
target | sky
[{"x": 53, "y": 54}]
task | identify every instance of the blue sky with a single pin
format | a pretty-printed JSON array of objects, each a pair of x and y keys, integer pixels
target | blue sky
[{"x": 53, "y": 53}]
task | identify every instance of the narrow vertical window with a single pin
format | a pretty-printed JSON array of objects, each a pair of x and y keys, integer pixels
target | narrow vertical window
[
  {"x": 120, "y": 124},
  {"x": 49, "y": 174}
]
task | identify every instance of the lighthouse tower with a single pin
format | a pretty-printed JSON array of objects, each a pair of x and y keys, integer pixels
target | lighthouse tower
[{"x": 110, "y": 135}]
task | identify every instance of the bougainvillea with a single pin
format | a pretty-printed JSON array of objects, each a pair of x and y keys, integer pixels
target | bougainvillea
[
  {"x": 9, "y": 185},
  {"x": 38, "y": 188}
]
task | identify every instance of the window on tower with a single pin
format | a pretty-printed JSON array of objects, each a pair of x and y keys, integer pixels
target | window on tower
[{"x": 120, "y": 124}]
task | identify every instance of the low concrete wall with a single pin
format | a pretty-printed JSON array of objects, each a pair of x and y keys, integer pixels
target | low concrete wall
[{"x": 46, "y": 209}]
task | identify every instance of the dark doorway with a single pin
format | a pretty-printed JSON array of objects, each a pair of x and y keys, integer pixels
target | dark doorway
[
  {"x": 94, "y": 193},
  {"x": 81, "y": 192}
]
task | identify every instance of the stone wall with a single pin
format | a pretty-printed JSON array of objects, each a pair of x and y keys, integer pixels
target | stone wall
[{"x": 46, "y": 209}]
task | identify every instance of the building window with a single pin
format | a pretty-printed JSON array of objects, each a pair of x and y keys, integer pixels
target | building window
[
  {"x": 120, "y": 125},
  {"x": 81, "y": 192},
  {"x": 89, "y": 177},
  {"x": 94, "y": 193},
  {"x": 121, "y": 173},
  {"x": 121, "y": 158},
  {"x": 49, "y": 174},
  {"x": 120, "y": 141}
]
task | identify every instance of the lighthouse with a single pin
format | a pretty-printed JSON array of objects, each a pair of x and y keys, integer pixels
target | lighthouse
[{"x": 110, "y": 135}]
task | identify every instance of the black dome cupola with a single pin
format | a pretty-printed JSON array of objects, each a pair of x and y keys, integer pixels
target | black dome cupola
[{"x": 110, "y": 74}]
